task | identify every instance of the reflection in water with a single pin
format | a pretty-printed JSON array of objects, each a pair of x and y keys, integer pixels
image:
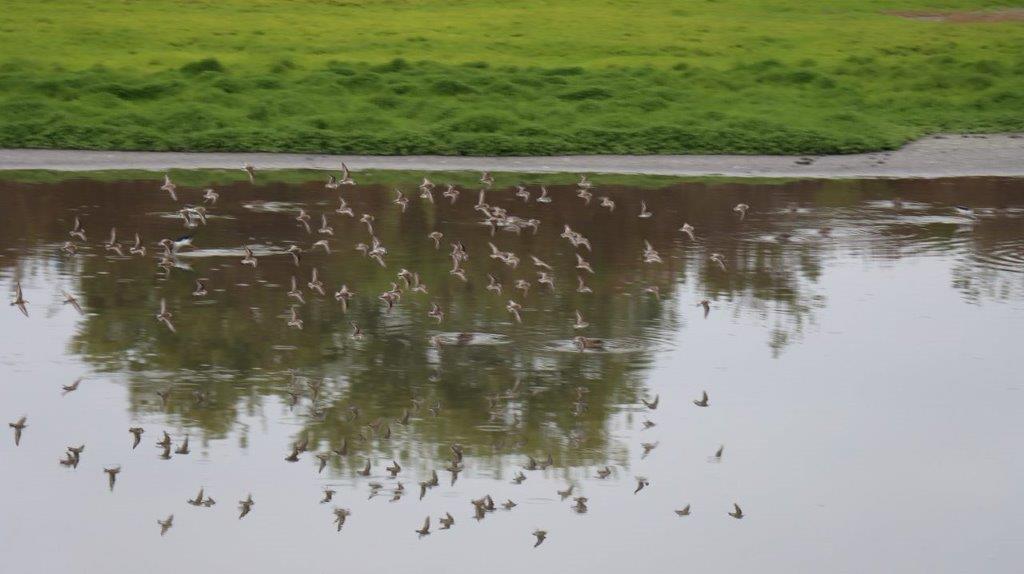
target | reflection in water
[{"x": 510, "y": 394}]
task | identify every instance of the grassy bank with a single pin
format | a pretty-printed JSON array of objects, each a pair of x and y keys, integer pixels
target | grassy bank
[{"x": 502, "y": 78}]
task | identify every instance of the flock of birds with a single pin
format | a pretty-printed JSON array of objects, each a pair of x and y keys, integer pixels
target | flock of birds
[{"x": 495, "y": 218}]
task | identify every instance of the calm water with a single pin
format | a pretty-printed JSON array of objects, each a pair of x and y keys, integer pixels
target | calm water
[{"x": 862, "y": 362}]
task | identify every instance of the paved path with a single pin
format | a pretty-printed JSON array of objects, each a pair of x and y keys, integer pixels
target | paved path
[{"x": 936, "y": 156}]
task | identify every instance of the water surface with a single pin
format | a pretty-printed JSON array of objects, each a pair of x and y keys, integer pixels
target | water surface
[{"x": 860, "y": 353}]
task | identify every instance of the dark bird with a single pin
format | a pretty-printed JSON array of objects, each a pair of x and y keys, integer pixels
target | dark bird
[
  {"x": 541, "y": 536},
  {"x": 651, "y": 404},
  {"x": 183, "y": 448},
  {"x": 718, "y": 453},
  {"x": 737, "y": 513},
  {"x": 703, "y": 402},
  {"x": 328, "y": 495},
  {"x": 112, "y": 476},
  {"x": 447, "y": 521},
  {"x": 425, "y": 529},
  {"x": 19, "y": 300},
  {"x": 70, "y": 299},
  {"x": 18, "y": 427},
  {"x": 394, "y": 469},
  {"x": 136, "y": 436},
  {"x": 72, "y": 387},
  {"x": 165, "y": 525},
  {"x": 340, "y": 515},
  {"x": 685, "y": 511},
  {"x": 641, "y": 482},
  {"x": 245, "y": 506}
]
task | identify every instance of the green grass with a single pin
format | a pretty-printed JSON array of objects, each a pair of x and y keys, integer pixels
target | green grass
[{"x": 508, "y": 77}]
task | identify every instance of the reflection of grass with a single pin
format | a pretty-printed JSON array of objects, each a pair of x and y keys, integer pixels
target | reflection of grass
[
  {"x": 407, "y": 180},
  {"x": 491, "y": 77}
]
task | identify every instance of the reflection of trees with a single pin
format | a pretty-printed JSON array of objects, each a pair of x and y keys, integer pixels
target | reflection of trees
[{"x": 235, "y": 345}]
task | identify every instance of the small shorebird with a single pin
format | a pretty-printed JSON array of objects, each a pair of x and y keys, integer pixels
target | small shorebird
[
  {"x": 703, "y": 401},
  {"x": 18, "y": 426},
  {"x": 685, "y": 511},
  {"x": 164, "y": 316},
  {"x": 641, "y": 482},
  {"x": 737, "y": 512},
  {"x": 316, "y": 284},
  {"x": 304, "y": 218},
  {"x": 70, "y": 299},
  {"x": 72, "y": 387},
  {"x": 451, "y": 193},
  {"x": 543, "y": 197},
  {"x": 136, "y": 433},
  {"x": 342, "y": 296},
  {"x": 295, "y": 292},
  {"x": 436, "y": 236},
  {"x": 425, "y": 529},
  {"x": 250, "y": 170},
  {"x": 583, "y": 265},
  {"x": 719, "y": 259},
  {"x": 200, "y": 289},
  {"x": 584, "y": 343},
  {"x": 176, "y": 245},
  {"x": 487, "y": 179},
  {"x": 138, "y": 248},
  {"x": 245, "y": 506},
  {"x": 19, "y": 299},
  {"x": 77, "y": 231},
  {"x": 644, "y": 213},
  {"x": 112, "y": 475},
  {"x": 169, "y": 187},
  {"x": 295, "y": 321},
  {"x": 210, "y": 196},
  {"x": 607, "y": 202},
  {"x": 340, "y": 515},
  {"x": 707, "y": 306},
  {"x": 514, "y": 308},
  {"x": 581, "y": 323},
  {"x": 447, "y": 521},
  {"x": 346, "y": 176},
  {"x": 688, "y": 230},
  {"x": 249, "y": 258},
  {"x": 325, "y": 228},
  {"x": 343, "y": 208},
  {"x": 581, "y": 287},
  {"x": 741, "y": 208},
  {"x": 651, "y": 404},
  {"x": 493, "y": 285},
  {"x": 541, "y": 536},
  {"x": 401, "y": 201},
  {"x": 165, "y": 525}
]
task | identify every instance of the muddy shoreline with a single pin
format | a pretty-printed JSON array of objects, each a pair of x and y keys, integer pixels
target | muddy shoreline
[{"x": 931, "y": 157}]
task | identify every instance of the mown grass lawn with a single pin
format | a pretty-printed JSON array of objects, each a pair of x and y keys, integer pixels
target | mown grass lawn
[{"x": 504, "y": 77}]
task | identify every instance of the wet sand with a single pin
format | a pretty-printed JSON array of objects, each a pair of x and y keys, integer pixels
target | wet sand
[{"x": 932, "y": 157}]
